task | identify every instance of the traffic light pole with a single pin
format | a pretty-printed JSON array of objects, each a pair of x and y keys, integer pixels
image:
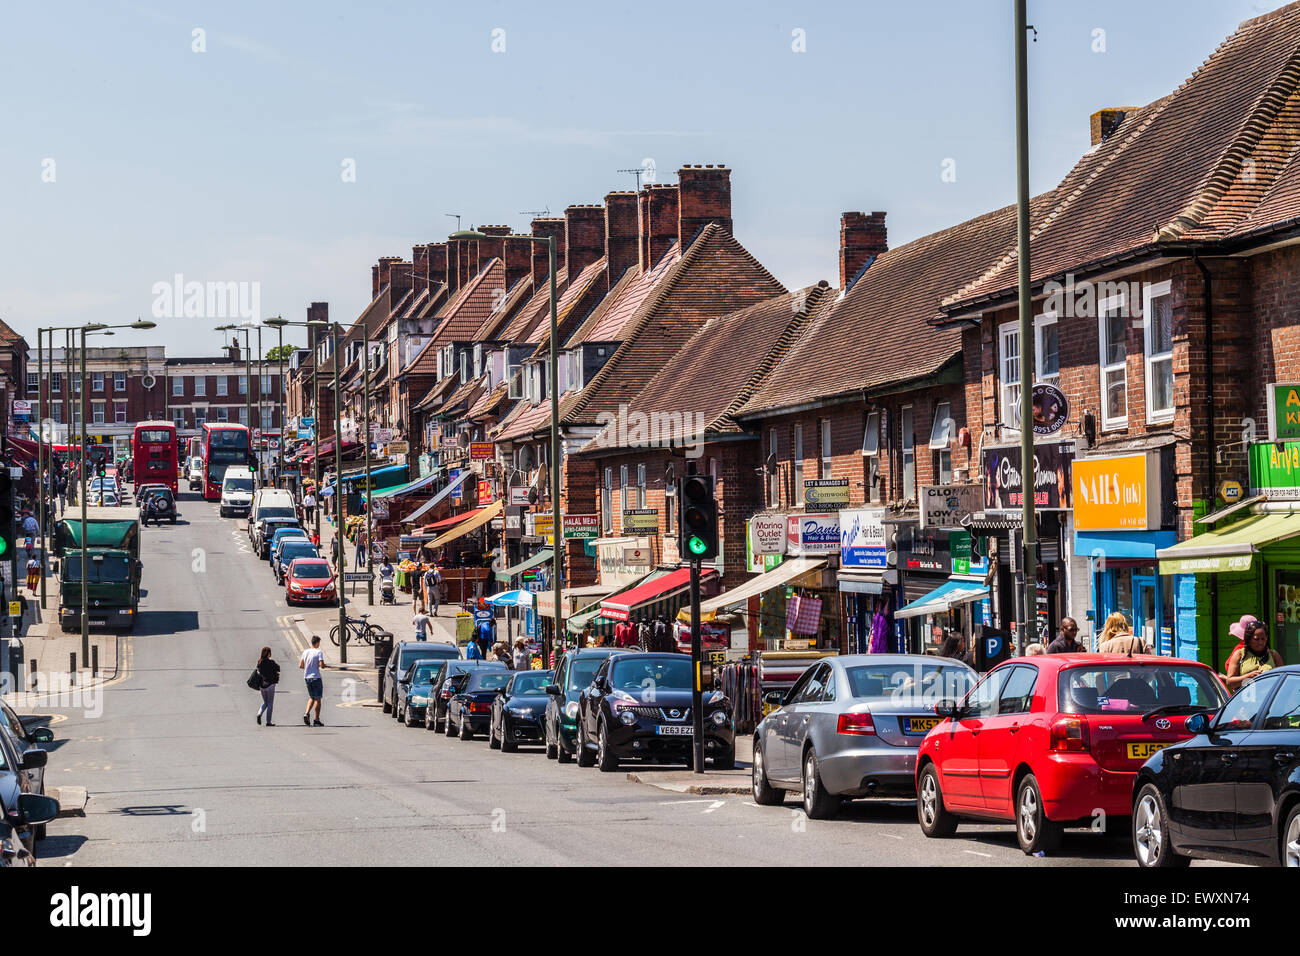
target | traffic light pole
[
  {"x": 697, "y": 686},
  {"x": 81, "y": 493}
]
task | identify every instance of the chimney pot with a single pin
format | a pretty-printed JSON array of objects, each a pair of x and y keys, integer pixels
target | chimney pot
[
  {"x": 1104, "y": 122},
  {"x": 705, "y": 197},
  {"x": 862, "y": 237}
]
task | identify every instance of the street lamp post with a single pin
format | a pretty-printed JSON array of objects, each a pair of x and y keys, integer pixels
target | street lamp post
[
  {"x": 1029, "y": 562},
  {"x": 41, "y": 475},
  {"x": 370, "y": 492},
  {"x": 338, "y": 500}
]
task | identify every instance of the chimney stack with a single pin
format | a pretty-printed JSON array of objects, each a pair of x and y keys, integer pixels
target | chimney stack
[
  {"x": 437, "y": 263},
  {"x": 705, "y": 198},
  {"x": 492, "y": 247},
  {"x": 622, "y": 233},
  {"x": 584, "y": 237},
  {"x": 1104, "y": 122},
  {"x": 466, "y": 261},
  {"x": 660, "y": 204},
  {"x": 320, "y": 312},
  {"x": 400, "y": 281},
  {"x": 420, "y": 268},
  {"x": 374, "y": 282},
  {"x": 862, "y": 238},
  {"x": 234, "y": 354},
  {"x": 517, "y": 254},
  {"x": 550, "y": 226},
  {"x": 385, "y": 267}
]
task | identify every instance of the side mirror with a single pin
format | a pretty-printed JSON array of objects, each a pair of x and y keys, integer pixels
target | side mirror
[
  {"x": 946, "y": 708},
  {"x": 774, "y": 697},
  {"x": 36, "y": 809},
  {"x": 552, "y": 689},
  {"x": 42, "y": 735},
  {"x": 1197, "y": 723},
  {"x": 34, "y": 760}
]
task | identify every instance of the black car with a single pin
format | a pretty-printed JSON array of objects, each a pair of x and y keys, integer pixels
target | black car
[
  {"x": 266, "y": 527},
  {"x": 517, "y": 711},
  {"x": 469, "y": 709},
  {"x": 290, "y": 549},
  {"x": 415, "y": 689},
  {"x": 25, "y": 735},
  {"x": 404, "y": 655},
  {"x": 573, "y": 673},
  {"x": 639, "y": 705},
  {"x": 1232, "y": 792},
  {"x": 157, "y": 504},
  {"x": 15, "y": 786},
  {"x": 435, "y": 717}
]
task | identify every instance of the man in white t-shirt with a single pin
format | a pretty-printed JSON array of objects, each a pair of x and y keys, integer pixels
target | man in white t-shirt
[{"x": 312, "y": 660}]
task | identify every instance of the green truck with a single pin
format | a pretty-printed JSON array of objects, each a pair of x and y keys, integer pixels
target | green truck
[{"x": 113, "y": 556}]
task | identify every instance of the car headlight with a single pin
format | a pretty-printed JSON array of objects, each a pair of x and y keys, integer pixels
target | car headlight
[
  {"x": 521, "y": 711},
  {"x": 627, "y": 718},
  {"x": 719, "y": 717},
  {"x": 419, "y": 701},
  {"x": 571, "y": 710},
  {"x": 715, "y": 697}
]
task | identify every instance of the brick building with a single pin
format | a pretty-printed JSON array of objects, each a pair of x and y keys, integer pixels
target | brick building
[{"x": 123, "y": 386}]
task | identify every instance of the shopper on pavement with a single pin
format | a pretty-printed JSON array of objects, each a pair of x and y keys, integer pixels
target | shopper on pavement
[
  {"x": 1253, "y": 658},
  {"x": 1118, "y": 638},
  {"x": 270, "y": 672},
  {"x": 953, "y": 645},
  {"x": 33, "y": 570},
  {"x": 421, "y": 622},
  {"x": 309, "y": 507},
  {"x": 311, "y": 662},
  {"x": 432, "y": 582},
  {"x": 521, "y": 655},
  {"x": 472, "y": 652},
  {"x": 1067, "y": 641}
]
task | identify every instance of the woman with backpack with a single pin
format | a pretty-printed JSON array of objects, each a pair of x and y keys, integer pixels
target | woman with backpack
[{"x": 267, "y": 675}]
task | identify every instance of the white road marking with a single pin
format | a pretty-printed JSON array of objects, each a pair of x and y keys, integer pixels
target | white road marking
[
  {"x": 716, "y": 805},
  {"x": 978, "y": 853}
]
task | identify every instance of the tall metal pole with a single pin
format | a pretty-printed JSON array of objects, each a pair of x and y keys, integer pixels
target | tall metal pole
[
  {"x": 338, "y": 500},
  {"x": 42, "y": 472},
  {"x": 315, "y": 435},
  {"x": 370, "y": 492},
  {"x": 279, "y": 463},
  {"x": 557, "y": 526},
  {"x": 261, "y": 394},
  {"x": 248, "y": 381},
  {"x": 81, "y": 493},
  {"x": 1029, "y": 563},
  {"x": 68, "y": 407},
  {"x": 697, "y": 685}
]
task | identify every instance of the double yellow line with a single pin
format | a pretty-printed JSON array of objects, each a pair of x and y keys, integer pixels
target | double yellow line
[{"x": 289, "y": 631}]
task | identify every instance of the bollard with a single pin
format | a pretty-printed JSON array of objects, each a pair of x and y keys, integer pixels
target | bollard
[
  {"x": 33, "y": 675},
  {"x": 72, "y": 667},
  {"x": 94, "y": 661}
]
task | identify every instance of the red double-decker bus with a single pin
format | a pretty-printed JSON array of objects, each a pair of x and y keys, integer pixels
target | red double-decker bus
[
  {"x": 153, "y": 454},
  {"x": 223, "y": 445}
]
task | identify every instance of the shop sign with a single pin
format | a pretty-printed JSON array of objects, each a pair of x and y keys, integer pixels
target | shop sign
[
  {"x": 615, "y": 571},
  {"x": 481, "y": 451},
  {"x": 637, "y": 556},
  {"x": 813, "y": 534},
  {"x": 544, "y": 525},
  {"x": 641, "y": 520},
  {"x": 581, "y": 526},
  {"x": 964, "y": 558},
  {"x": 944, "y": 506},
  {"x": 381, "y": 436},
  {"x": 484, "y": 491},
  {"x": 22, "y": 411},
  {"x": 397, "y": 448},
  {"x": 1231, "y": 491},
  {"x": 758, "y": 562},
  {"x": 519, "y": 496},
  {"x": 458, "y": 493},
  {"x": 1275, "y": 471},
  {"x": 862, "y": 538},
  {"x": 1115, "y": 493},
  {"x": 1053, "y": 487},
  {"x": 825, "y": 494},
  {"x": 514, "y": 523},
  {"x": 1284, "y": 411},
  {"x": 923, "y": 550},
  {"x": 767, "y": 534},
  {"x": 1051, "y": 409}
]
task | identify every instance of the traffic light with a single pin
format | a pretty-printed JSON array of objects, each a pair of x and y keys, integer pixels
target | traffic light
[
  {"x": 6, "y": 515},
  {"x": 697, "y": 526}
]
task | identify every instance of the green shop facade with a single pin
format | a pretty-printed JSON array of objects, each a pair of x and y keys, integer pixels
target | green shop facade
[{"x": 1246, "y": 558}]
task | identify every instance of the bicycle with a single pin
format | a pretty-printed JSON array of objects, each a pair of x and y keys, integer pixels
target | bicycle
[{"x": 359, "y": 630}]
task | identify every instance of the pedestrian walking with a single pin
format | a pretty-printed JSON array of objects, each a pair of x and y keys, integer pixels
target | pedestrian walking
[
  {"x": 521, "y": 655},
  {"x": 33, "y": 570},
  {"x": 361, "y": 549},
  {"x": 311, "y": 662},
  {"x": 269, "y": 672},
  {"x": 421, "y": 622},
  {"x": 1118, "y": 638},
  {"x": 309, "y": 507},
  {"x": 1255, "y": 657},
  {"x": 432, "y": 587},
  {"x": 1067, "y": 641},
  {"x": 472, "y": 651},
  {"x": 952, "y": 645}
]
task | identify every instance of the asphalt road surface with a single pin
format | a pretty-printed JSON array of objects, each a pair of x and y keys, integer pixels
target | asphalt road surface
[{"x": 180, "y": 775}]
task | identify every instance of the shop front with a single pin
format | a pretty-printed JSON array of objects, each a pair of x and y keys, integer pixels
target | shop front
[
  {"x": 867, "y": 584},
  {"x": 1123, "y": 515}
]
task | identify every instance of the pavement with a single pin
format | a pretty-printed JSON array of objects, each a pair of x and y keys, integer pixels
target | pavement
[{"x": 710, "y": 783}]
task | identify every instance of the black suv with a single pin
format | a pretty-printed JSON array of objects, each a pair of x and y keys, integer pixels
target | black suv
[
  {"x": 164, "y": 505},
  {"x": 639, "y": 705}
]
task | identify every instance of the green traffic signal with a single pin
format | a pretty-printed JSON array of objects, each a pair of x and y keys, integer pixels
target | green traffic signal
[
  {"x": 697, "y": 545},
  {"x": 4, "y": 546}
]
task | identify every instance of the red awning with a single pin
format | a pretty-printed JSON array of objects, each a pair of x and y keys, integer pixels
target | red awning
[
  {"x": 448, "y": 522},
  {"x": 620, "y": 607}
]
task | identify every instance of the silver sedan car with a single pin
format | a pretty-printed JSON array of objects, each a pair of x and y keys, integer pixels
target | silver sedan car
[{"x": 850, "y": 727}]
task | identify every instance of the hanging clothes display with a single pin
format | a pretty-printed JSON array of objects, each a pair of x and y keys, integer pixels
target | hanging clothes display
[
  {"x": 803, "y": 614},
  {"x": 879, "y": 630}
]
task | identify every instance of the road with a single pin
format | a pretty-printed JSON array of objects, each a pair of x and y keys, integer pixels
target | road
[{"x": 180, "y": 775}]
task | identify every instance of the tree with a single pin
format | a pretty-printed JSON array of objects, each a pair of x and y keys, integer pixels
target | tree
[{"x": 280, "y": 352}]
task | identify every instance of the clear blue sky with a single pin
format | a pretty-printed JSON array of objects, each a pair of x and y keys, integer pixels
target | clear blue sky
[{"x": 225, "y": 165}]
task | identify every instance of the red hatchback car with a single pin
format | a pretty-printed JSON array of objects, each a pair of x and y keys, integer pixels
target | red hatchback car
[
  {"x": 1055, "y": 740},
  {"x": 309, "y": 579}
]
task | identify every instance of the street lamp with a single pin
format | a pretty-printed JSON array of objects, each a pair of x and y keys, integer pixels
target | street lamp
[
  {"x": 248, "y": 373},
  {"x": 338, "y": 487},
  {"x": 278, "y": 322},
  {"x": 557, "y": 528}
]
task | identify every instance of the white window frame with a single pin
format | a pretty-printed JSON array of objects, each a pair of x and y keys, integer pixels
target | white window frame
[
  {"x": 622, "y": 488},
  {"x": 1041, "y": 322},
  {"x": 119, "y": 412},
  {"x": 871, "y": 436},
  {"x": 827, "y": 457},
  {"x": 119, "y": 381},
  {"x": 178, "y": 418},
  {"x": 96, "y": 381},
  {"x": 1008, "y": 383},
  {"x": 941, "y": 432},
  {"x": 33, "y": 381},
  {"x": 1103, "y": 307},
  {"x": 907, "y": 449},
  {"x": 243, "y": 415},
  {"x": 243, "y": 384},
  {"x": 774, "y": 480},
  {"x": 640, "y": 485},
  {"x": 56, "y": 383},
  {"x": 796, "y": 496},
  {"x": 98, "y": 413},
  {"x": 178, "y": 385},
  {"x": 200, "y": 386},
  {"x": 223, "y": 413},
  {"x": 268, "y": 419},
  {"x": 223, "y": 386},
  {"x": 607, "y": 501},
  {"x": 1155, "y": 291}
]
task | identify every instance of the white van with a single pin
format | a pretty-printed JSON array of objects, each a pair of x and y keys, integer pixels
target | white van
[
  {"x": 236, "y": 491},
  {"x": 269, "y": 503}
]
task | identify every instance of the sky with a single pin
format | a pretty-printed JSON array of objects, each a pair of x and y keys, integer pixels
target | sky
[{"x": 284, "y": 146}]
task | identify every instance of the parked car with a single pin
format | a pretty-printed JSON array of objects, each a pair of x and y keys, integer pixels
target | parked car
[
  {"x": 435, "y": 718},
  {"x": 163, "y": 501},
  {"x": 1231, "y": 792},
  {"x": 280, "y": 534},
  {"x": 288, "y": 551},
  {"x": 269, "y": 503},
  {"x": 573, "y": 672},
  {"x": 414, "y": 688},
  {"x": 469, "y": 710},
  {"x": 850, "y": 727},
  {"x": 25, "y": 734},
  {"x": 639, "y": 705},
  {"x": 265, "y": 529},
  {"x": 406, "y": 653},
  {"x": 517, "y": 711},
  {"x": 1056, "y": 740},
  {"x": 309, "y": 579},
  {"x": 15, "y": 784}
]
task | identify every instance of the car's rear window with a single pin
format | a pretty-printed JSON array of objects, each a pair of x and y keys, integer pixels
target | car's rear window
[
  {"x": 1136, "y": 688},
  {"x": 908, "y": 684}
]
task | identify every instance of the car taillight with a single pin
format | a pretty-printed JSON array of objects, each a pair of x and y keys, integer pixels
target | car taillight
[
  {"x": 856, "y": 724},
  {"x": 1070, "y": 735},
  {"x": 446, "y": 695}
]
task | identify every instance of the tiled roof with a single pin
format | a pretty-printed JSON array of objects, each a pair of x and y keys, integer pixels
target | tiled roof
[
  {"x": 487, "y": 402},
  {"x": 494, "y": 325},
  {"x": 471, "y": 305},
  {"x": 1188, "y": 167},
  {"x": 433, "y": 397},
  {"x": 715, "y": 275},
  {"x": 541, "y": 334},
  {"x": 371, "y": 318},
  {"x": 721, "y": 365},
  {"x": 536, "y": 309},
  {"x": 607, "y": 322},
  {"x": 618, "y": 294},
  {"x": 463, "y": 397}
]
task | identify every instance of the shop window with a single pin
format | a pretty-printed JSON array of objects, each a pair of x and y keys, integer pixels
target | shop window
[
  {"x": 1158, "y": 347},
  {"x": 1112, "y": 330},
  {"x": 96, "y": 381},
  {"x": 907, "y": 445},
  {"x": 1009, "y": 372}
]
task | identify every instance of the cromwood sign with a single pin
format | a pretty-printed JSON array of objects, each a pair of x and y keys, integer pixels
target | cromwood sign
[{"x": 826, "y": 494}]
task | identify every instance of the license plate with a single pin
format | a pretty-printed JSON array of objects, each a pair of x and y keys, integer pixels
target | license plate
[
  {"x": 100, "y": 621},
  {"x": 1143, "y": 751},
  {"x": 919, "y": 725},
  {"x": 675, "y": 731}
]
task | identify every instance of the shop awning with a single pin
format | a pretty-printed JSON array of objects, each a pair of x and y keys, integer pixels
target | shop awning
[
  {"x": 515, "y": 598},
  {"x": 541, "y": 557},
  {"x": 621, "y": 606},
  {"x": 591, "y": 614},
  {"x": 1215, "y": 516},
  {"x": 943, "y": 597},
  {"x": 1228, "y": 549},
  {"x": 481, "y": 517},
  {"x": 451, "y": 522},
  {"x": 782, "y": 574},
  {"x": 460, "y": 479},
  {"x": 399, "y": 490},
  {"x": 587, "y": 594},
  {"x": 381, "y": 478},
  {"x": 1123, "y": 544}
]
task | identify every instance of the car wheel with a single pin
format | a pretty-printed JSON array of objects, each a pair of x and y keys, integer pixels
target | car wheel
[
  {"x": 494, "y": 742},
  {"x": 1036, "y": 833},
  {"x": 1290, "y": 855},
  {"x": 765, "y": 794},
  {"x": 407, "y": 715},
  {"x": 396, "y": 714},
  {"x": 818, "y": 802},
  {"x": 561, "y": 755},
  {"x": 508, "y": 746},
  {"x": 584, "y": 755},
  {"x": 551, "y": 748},
  {"x": 465, "y": 732},
  {"x": 934, "y": 817},
  {"x": 446, "y": 726},
  {"x": 1151, "y": 844},
  {"x": 606, "y": 760},
  {"x": 387, "y": 707}
]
